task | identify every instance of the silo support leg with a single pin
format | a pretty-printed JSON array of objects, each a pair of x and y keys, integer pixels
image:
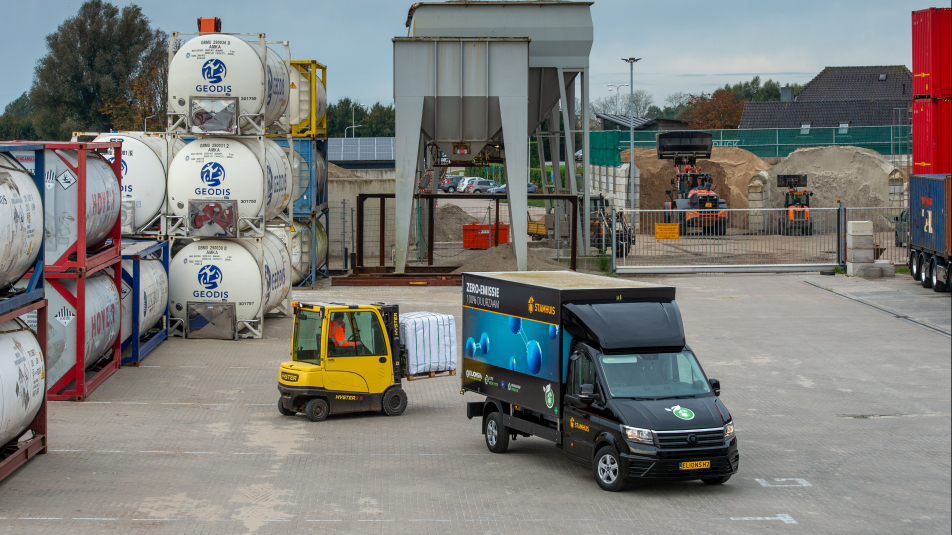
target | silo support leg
[
  {"x": 515, "y": 128},
  {"x": 409, "y": 120}
]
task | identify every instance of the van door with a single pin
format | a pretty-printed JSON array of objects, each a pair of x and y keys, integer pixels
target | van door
[
  {"x": 577, "y": 416},
  {"x": 358, "y": 357}
]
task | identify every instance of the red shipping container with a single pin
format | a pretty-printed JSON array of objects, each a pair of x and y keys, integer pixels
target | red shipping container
[
  {"x": 482, "y": 236},
  {"x": 931, "y": 136},
  {"x": 932, "y": 52}
]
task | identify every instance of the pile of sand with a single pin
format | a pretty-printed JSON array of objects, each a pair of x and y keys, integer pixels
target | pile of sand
[
  {"x": 858, "y": 177},
  {"x": 334, "y": 171},
  {"x": 503, "y": 258},
  {"x": 731, "y": 169},
  {"x": 448, "y": 223}
]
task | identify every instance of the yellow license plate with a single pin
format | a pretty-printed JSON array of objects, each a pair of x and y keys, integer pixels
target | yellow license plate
[
  {"x": 289, "y": 377},
  {"x": 707, "y": 205},
  {"x": 695, "y": 465}
]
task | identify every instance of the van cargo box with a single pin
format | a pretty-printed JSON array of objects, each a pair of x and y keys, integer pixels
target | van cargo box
[{"x": 516, "y": 347}]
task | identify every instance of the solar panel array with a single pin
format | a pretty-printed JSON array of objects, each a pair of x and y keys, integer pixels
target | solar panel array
[{"x": 360, "y": 148}]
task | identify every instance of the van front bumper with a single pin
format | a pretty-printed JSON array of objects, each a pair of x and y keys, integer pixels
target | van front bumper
[{"x": 667, "y": 464}]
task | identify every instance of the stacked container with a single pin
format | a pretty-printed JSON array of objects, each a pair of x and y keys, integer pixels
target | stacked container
[
  {"x": 231, "y": 96},
  {"x": 82, "y": 251},
  {"x": 932, "y": 91},
  {"x": 22, "y": 349}
]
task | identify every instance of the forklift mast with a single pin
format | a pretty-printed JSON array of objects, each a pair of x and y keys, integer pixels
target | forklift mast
[
  {"x": 391, "y": 321},
  {"x": 794, "y": 197}
]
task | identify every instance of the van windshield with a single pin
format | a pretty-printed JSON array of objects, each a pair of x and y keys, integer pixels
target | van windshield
[{"x": 653, "y": 375}]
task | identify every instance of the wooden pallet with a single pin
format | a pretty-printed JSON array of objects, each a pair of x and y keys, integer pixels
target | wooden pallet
[{"x": 430, "y": 375}]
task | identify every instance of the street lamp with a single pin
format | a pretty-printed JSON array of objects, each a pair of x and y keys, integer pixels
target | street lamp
[
  {"x": 635, "y": 187},
  {"x": 615, "y": 88},
  {"x": 353, "y": 108}
]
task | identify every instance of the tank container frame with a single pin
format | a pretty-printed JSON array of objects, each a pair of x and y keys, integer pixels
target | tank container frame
[
  {"x": 87, "y": 262},
  {"x": 140, "y": 347},
  {"x": 311, "y": 127},
  {"x": 78, "y": 383},
  {"x": 13, "y": 299},
  {"x": 178, "y": 121},
  {"x": 15, "y": 454},
  {"x": 177, "y": 226}
]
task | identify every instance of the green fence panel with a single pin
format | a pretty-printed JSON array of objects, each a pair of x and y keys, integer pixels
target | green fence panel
[
  {"x": 767, "y": 142},
  {"x": 604, "y": 148}
]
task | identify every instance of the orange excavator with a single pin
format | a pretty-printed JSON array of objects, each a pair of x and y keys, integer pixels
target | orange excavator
[
  {"x": 796, "y": 217},
  {"x": 694, "y": 204}
]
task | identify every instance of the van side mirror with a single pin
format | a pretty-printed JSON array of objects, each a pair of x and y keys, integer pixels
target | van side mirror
[
  {"x": 715, "y": 386},
  {"x": 586, "y": 393}
]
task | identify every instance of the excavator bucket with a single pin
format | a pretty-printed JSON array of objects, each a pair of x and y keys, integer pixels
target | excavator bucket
[
  {"x": 684, "y": 143},
  {"x": 791, "y": 181}
]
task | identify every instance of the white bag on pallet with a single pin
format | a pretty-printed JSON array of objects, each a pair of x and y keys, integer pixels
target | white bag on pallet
[{"x": 430, "y": 340}]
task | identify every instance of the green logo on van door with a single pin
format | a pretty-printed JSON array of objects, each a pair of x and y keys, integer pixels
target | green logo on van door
[
  {"x": 549, "y": 396},
  {"x": 683, "y": 413}
]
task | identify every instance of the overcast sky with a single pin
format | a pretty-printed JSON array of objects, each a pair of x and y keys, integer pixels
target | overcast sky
[{"x": 688, "y": 46}]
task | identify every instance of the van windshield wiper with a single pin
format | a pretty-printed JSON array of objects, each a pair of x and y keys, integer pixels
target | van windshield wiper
[{"x": 689, "y": 396}]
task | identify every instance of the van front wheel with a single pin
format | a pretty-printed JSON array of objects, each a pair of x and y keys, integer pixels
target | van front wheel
[
  {"x": 608, "y": 470},
  {"x": 497, "y": 435}
]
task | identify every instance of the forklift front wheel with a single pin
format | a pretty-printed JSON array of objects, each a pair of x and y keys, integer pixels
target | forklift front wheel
[
  {"x": 316, "y": 410},
  {"x": 394, "y": 401},
  {"x": 497, "y": 435},
  {"x": 282, "y": 410}
]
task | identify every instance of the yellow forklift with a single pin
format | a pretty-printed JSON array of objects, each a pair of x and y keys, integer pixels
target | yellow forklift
[{"x": 344, "y": 358}]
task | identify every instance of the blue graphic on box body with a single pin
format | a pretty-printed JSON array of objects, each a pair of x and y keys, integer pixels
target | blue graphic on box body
[{"x": 520, "y": 345}]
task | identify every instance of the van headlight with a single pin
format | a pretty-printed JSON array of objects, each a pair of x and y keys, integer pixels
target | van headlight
[
  {"x": 728, "y": 430},
  {"x": 642, "y": 436}
]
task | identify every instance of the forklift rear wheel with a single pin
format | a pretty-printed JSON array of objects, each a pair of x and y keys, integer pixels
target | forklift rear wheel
[
  {"x": 715, "y": 480},
  {"x": 282, "y": 410},
  {"x": 497, "y": 436},
  {"x": 316, "y": 410},
  {"x": 394, "y": 401},
  {"x": 608, "y": 470}
]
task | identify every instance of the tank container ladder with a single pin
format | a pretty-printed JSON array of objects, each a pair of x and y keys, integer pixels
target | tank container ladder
[{"x": 141, "y": 347}]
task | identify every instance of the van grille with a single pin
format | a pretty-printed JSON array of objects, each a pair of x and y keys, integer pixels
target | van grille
[{"x": 680, "y": 440}]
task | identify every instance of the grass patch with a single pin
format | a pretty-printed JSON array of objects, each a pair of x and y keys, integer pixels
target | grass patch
[
  {"x": 902, "y": 270},
  {"x": 838, "y": 270},
  {"x": 537, "y": 203}
]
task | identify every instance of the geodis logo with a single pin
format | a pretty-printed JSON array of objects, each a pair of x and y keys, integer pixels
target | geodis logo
[
  {"x": 212, "y": 175},
  {"x": 577, "y": 425},
  {"x": 214, "y": 72},
  {"x": 210, "y": 276}
]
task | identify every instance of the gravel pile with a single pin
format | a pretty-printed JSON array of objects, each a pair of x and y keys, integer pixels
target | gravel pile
[{"x": 503, "y": 258}]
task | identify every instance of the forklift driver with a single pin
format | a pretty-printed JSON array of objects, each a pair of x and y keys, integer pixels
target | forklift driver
[{"x": 336, "y": 334}]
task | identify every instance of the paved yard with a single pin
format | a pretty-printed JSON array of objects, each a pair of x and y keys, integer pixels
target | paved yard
[{"x": 842, "y": 413}]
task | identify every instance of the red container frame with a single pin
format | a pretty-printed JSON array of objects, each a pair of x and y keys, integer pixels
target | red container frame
[
  {"x": 20, "y": 453},
  {"x": 86, "y": 262},
  {"x": 932, "y": 53},
  {"x": 76, "y": 384},
  {"x": 481, "y": 235},
  {"x": 931, "y": 136}
]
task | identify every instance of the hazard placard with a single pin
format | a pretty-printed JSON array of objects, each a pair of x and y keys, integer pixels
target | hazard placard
[{"x": 667, "y": 231}]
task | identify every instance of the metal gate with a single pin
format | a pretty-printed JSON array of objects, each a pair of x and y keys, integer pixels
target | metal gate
[{"x": 750, "y": 240}]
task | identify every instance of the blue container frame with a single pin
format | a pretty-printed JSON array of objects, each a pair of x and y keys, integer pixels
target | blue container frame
[
  {"x": 11, "y": 300},
  {"x": 140, "y": 350},
  {"x": 311, "y": 205}
]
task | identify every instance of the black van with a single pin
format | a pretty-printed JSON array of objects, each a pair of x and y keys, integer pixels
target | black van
[{"x": 633, "y": 402}]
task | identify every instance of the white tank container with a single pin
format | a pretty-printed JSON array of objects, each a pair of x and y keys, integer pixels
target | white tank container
[
  {"x": 21, "y": 221},
  {"x": 143, "y": 170},
  {"x": 217, "y": 271},
  {"x": 62, "y": 201},
  {"x": 215, "y": 169},
  {"x": 101, "y": 321},
  {"x": 297, "y": 241},
  {"x": 22, "y": 385},
  {"x": 300, "y": 102},
  {"x": 219, "y": 65},
  {"x": 153, "y": 296}
]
